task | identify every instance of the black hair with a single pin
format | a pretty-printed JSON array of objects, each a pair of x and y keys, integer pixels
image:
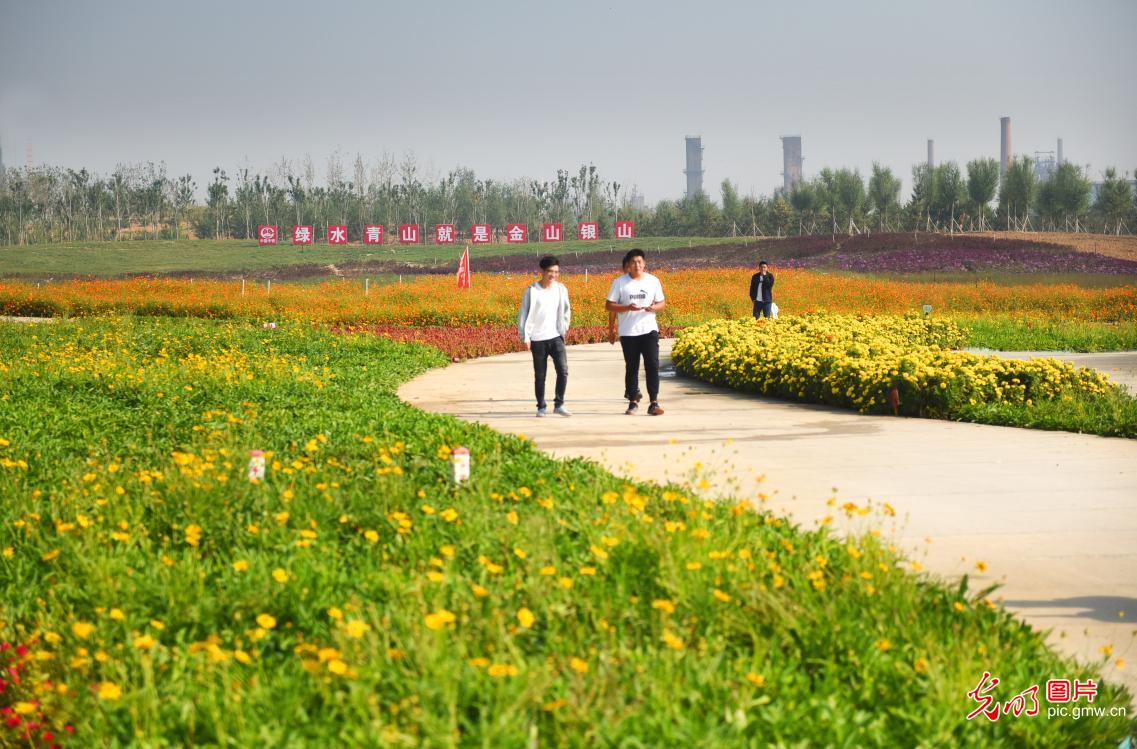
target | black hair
[
  {"x": 762, "y": 262},
  {"x": 548, "y": 262},
  {"x": 637, "y": 252}
]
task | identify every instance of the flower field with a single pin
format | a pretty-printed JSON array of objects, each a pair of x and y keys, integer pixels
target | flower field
[
  {"x": 886, "y": 364},
  {"x": 151, "y": 594},
  {"x": 693, "y": 296}
]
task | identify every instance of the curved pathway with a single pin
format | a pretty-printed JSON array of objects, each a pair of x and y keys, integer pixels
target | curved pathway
[{"x": 1052, "y": 516}]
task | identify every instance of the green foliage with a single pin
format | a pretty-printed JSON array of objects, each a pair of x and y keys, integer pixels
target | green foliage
[
  {"x": 399, "y": 621},
  {"x": 1115, "y": 200},
  {"x": 1065, "y": 196},
  {"x": 1017, "y": 190}
]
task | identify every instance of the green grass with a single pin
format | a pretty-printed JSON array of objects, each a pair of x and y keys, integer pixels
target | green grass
[
  {"x": 1030, "y": 334},
  {"x": 105, "y": 259},
  {"x": 134, "y": 433}
]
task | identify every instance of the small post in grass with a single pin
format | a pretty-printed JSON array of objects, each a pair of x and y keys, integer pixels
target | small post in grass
[
  {"x": 366, "y": 286},
  {"x": 242, "y": 287},
  {"x": 268, "y": 287}
]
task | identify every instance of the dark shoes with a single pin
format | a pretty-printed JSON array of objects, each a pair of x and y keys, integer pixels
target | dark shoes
[
  {"x": 632, "y": 408},
  {"x": 655, "y": 409}
]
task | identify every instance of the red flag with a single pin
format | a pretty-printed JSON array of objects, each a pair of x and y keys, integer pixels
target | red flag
[{"x": 464, "y": 269}]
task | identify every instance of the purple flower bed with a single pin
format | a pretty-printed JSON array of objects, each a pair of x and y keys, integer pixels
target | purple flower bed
[{"x": 967, "y": 258}]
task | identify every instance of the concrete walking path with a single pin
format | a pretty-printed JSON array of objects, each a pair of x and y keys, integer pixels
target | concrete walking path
[{"x": 1052, "y": 515}]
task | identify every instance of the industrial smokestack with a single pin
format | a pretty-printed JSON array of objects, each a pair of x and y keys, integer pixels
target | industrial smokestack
[
  {"x": 791, "y": 161},
  {"x": 694, "y": 170},
  {"x": 1059, "y": 152},
  {"x": 1004, "y": 145},
  {"x": 931, "y": 154}
]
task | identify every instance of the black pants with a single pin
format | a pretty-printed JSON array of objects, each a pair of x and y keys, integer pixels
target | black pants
[
  {"x": 763, "y": 309},
  {"x": 634, "y": 347},
  {"x": 542, "y": 350}
]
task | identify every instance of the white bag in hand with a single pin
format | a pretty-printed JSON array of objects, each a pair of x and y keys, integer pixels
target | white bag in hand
[{"x": 774, "y": 310}]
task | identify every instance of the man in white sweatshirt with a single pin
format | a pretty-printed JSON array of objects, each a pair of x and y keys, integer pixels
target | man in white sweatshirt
[{"x": 542, "y": 324}]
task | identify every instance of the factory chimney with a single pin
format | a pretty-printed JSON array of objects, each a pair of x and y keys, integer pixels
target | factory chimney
[
  {"x": 694, "y": 170},
  {"x": 791, "y": 161},
  {"x": 931, "y": 154},
  {"x": 1059, "y": 152},
  {"x": 1004, "y": 145}
]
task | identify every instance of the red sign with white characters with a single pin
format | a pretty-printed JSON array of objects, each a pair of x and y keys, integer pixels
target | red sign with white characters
[
  {"x": 625, "y": 229},
  {"x": 266, "y": 235},
  {"x": 408, "y": 233},
  {"x": 444, "y": 234},
  {"x": 337, "y": 235},
  {"x": 551, "y": 233},
  {"x": 589, "y": 230},
  {"x": 515, "y": 233},
  {"x": 373, "y": 233},
  {"x": 480, "y": 234},
  {"x": 301, "y": 235}
]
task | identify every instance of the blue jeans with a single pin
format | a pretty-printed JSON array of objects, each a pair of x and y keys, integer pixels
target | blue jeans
[
  {"x": 763, "y": 309},
  {"x": 542, "y": 350}
]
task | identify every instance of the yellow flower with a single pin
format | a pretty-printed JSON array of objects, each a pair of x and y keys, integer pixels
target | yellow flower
[
  {"x": 337, "y": 667},
  {"x": 371, "y": 536},
  {"x": 439, "y": 619},
  {"x": 335, "y": 613},
  {"x": 241, "y": 656},
  {"x": 757, "y": 680},
  {"x": 672, "y": 641},
  {"x": 511, "y": 516},
  {"x": 478, "y": 662},
  {"x": 479, "y": 591},
  {"x": 82, "y": 630},
  {"x": 450, "y": 515},
  {"x": 548, "y": 570},
  {"x": 446, "y": 551},
  {"x": 357, "y": 628},
  {"x": 981, "y": 566},
  {"x": 694, "y": 566},
  {"x": 576, "y": 664},
  {"x": 116, "y": 614},
  {"x": 724, "y": 597},
  {"x": 526, "y": 617},
  {"x": 108, "y": 691},
  {"x": 280, "y": 575},
  {"x": 435, "y": 577},
  {"x": 157, "y": 625},
  {"x": 24, "y": 708},
  {"x": 267, "y": 621},
  {"x": 50, "y": 555},
  {"x": 502, "y": 669},
  {"x": 566, "y": 583},
  {"x": 145, "y": 642},
  {"x": 883, "y": 645},
  {"x": 240, "y": 565},
  {"x": 664, "y": 605},
  {"x": 590, "y": 571}
]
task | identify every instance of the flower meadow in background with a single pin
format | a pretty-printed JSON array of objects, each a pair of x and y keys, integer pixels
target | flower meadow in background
[
  {"x": 151, "y": 593},
  {"x": 693, "y": 296}
]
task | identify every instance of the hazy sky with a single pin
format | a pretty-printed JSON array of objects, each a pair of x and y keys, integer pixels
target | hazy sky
[{"x": 514, "y": 89}]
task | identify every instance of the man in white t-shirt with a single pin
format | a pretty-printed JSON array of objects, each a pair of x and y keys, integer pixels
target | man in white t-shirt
[
  {"x": 542, "y": 323},
  {"x": 636, "y": 296}
]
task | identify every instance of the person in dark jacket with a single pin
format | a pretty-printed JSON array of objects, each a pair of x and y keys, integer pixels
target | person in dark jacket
[{"x": 762, "y": 290}]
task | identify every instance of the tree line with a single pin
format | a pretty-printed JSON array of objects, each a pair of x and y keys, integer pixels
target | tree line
[{"x": 143, "y": 201}]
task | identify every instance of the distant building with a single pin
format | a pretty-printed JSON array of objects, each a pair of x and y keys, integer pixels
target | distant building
[{"x": 1044, "y": 165}]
